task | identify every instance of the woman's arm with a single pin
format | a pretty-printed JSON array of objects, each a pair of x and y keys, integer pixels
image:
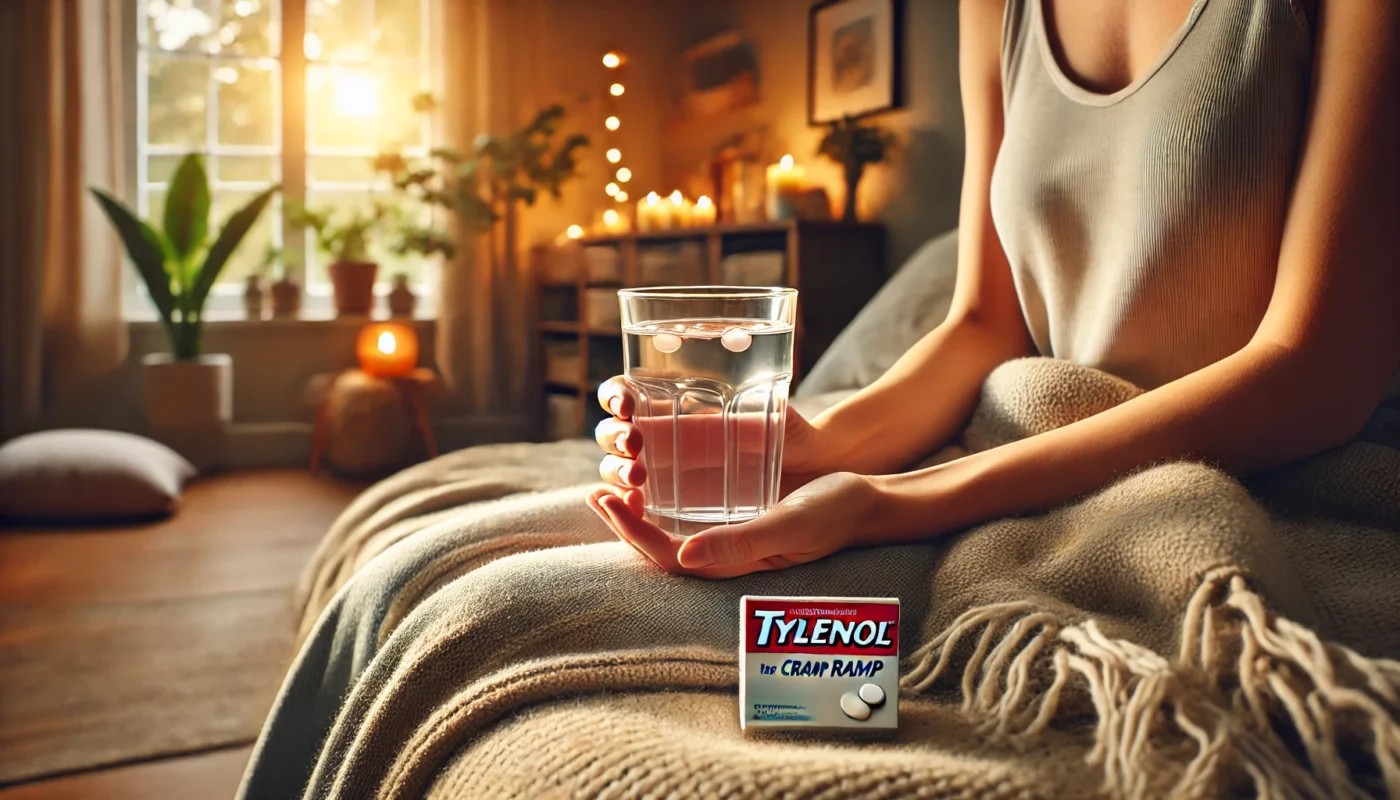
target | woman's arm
[
  {"x": 885, "y": 427},
  {"x": 1314, "y": 370}
]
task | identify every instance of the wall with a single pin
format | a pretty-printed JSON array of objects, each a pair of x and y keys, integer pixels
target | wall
[
  {"x": 916, "y": 195},
  {"x": 573, "y": 36}
]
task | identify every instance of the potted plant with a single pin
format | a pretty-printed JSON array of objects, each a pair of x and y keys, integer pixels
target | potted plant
[
  {"x": 853, "y": 146},
  {"x": 179, "y": 266},
  {"x": 484, "y": 186},
  {"x": 285, "y": 291},
  {"x": 345, "y": 239},
  {"x": 253, "y": 295},
  {"x": 401, "y": 297}
]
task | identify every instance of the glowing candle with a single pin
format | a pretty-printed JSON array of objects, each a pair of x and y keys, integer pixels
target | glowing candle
[
  {"x": 786, "y": 183},
  {"x": 704, "y": 211},
  {"x": 648, "y": 211},
  {"x": 677, "y": 210},
  {"x": 387, "y": 350}
]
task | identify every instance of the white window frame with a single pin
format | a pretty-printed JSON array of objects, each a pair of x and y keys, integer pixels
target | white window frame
[{"x": 291, "y": 147}]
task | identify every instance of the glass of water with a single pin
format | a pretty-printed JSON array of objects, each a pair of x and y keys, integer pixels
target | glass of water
[{"x": 710, "y": 368}]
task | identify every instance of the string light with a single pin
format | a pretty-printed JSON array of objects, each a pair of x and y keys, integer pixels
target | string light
[
  {"x": 575, "y": 232},
  {"x": 677, "y": 198},
  {"x": 611, "y": 218}
]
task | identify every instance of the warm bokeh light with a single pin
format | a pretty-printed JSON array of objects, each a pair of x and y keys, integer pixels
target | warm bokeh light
[
  {"x": 620, "y": 197},
  {"x": 356, "y": 95},
  {"x": 785, "y": 163},
  {"x": 624, "y": 175},
  {"x": 612, "y": 60},
  {"x": 677, "y": 198},
  {"x": 612, "y": 123},
  {"x": 575, "y": 231},
  {"x": 387, "y": 349},
  {"x": 610, "y": 217},
  {"x": 614, "y": 155},
  {"x": 612, "y": 189},
  {"x": 387, "y": 344},
  {"x": 616, "y": 90},
  {"x": 704, "y": 202},
  {"x": 311, "y": 46}
]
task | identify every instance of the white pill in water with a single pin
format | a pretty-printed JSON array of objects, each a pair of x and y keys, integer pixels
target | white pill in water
[
  {"x": 666, "y": 342},
  {"x": 854, "y": 707},
  {"x": 872, "y": 694},
  {"x": 736, "y": 340}
]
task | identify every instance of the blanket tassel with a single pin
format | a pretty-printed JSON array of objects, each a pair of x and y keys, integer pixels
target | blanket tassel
[{"x": 1251, "y": 699}]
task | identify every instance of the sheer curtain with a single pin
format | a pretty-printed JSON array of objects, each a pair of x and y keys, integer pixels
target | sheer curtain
[
  {"x": 60, "y": 264},
  {"x": 483, "y": 329}
]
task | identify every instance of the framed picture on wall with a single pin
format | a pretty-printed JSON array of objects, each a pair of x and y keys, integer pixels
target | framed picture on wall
[{"x": 855, "y": 58}]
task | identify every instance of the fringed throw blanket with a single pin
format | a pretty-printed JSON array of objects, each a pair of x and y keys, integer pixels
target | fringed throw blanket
[{"x": 1175, "y": 634}]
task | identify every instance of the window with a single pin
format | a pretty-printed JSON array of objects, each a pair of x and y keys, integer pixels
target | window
[{"x": 222, "y": 78}]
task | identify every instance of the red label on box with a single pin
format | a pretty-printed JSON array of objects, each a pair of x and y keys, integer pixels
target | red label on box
[{"x": 821, "y": 627}]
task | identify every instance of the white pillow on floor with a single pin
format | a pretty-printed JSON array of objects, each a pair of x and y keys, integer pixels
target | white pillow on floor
[{"x": 89, "y": 475}]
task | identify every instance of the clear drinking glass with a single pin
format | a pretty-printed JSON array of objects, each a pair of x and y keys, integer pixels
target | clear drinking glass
[{"x": 710, "y": 368}]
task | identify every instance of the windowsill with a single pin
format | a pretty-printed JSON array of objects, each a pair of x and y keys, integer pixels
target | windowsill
[{"x": 233, "y": 320}]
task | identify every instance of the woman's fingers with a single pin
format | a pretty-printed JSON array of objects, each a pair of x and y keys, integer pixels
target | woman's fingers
[
  {"x": 625, "y": 518},
  {"x": 618, "y": 437},
  {"x": 623, "y": 472},
  {"x": 593, "y": 503},
  {"x": 655, "y": 543},
  {"x": 615, "y": 398}
]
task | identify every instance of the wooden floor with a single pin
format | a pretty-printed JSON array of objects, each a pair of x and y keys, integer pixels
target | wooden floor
[{"x": 246, "y": 532}]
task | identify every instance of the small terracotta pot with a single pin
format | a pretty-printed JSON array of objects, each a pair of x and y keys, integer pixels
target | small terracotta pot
[
  {"x": 286, "y": 297},
  {"x": 401, "y": 298},
  {"x": 353, "y": 282},
  {"x": 253, "y": 297}
]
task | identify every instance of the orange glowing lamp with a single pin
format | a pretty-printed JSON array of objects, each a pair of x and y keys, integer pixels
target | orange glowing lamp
[{"x": 388, "y": 350}]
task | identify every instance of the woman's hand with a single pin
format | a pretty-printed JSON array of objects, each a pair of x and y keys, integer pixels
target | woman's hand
[
  {"x": 808, "y": 452},
  {"x": 823, "y": 516}
]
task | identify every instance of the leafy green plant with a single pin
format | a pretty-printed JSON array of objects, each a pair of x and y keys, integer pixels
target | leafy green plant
[
  {"x": 178, "y": 263},
  {"x": 499, "y": 170},
  {"x": 344, "y": 238},
  {"x": 854, "y": 146},
  {"x": 347, "y": 237}
]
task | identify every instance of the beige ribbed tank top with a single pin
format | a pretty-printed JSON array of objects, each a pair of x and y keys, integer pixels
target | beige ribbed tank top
[{"x": 1143, "y": 227}]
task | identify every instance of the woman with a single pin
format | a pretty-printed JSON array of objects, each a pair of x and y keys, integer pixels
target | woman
[{"x": 1207, "y": 208}]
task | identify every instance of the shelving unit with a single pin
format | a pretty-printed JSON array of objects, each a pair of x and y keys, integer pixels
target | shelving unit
[{"x": 835, "y": 267}]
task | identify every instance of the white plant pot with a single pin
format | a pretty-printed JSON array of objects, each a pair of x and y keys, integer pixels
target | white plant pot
[{"x": 189, "y": 404}]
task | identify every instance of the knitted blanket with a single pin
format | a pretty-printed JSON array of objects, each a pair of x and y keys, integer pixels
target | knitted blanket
[{"x": 1177, "y": 633}]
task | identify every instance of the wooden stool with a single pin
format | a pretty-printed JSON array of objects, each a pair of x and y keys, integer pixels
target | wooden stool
[{"x": 367, "y": 425}]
